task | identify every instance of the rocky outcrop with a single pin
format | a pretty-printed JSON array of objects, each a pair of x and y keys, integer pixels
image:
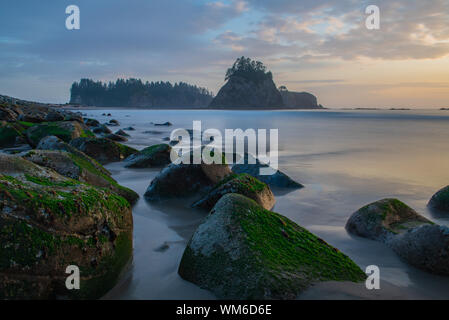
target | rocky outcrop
[
  {"x": 116, "y": 137},
  {"x": 103, "y": 150},
  {"x": 242, "y": 251},
  {"x": 180, "y": 180},
  {"x": 299, "y": 100},
  {"x": 65, "y": 130},
  {"x": 239, "y": 92},
  {"x": 440, "y": 200},
  {"x": 81, "y": 168},
  {"x": 276, "y": 180},
  {"x": 48, "y": 222},
  {"x": 243, "y": 184},
  {"x": 154, "y": 156}
]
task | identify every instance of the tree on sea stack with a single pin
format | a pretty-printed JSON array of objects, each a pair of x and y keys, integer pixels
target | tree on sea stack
[{"x": 248, "y": 85}]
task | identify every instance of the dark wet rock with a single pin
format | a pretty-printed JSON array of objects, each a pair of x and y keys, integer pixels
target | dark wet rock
[
  {"x": 154, "y": 156},
  {"x": 113, "y": 123},
  {"x": 129, "y": 129},
  {"x": 153, "y": 132},
  {"x": 425, "y": 247},
  {"x": 163, "y": 124},
  {"x": 103, "y": 150},
  {"x": 65, "y": 130},
  {"x": 276, "y": 180},
  {"x": 242, "y": 251},
  {"x": 384, "y": 219},
  {"x": 32, "y": 117},
  {"x": 81, "y": 168},
  {"x": 122, "y": 133},
  {"x": 166, "y": 139},
  {"x": 440, "y": 200},
  {"x": 48, "y": 222},
  {"x": 101, "y": 129},
  {"x": 243, "y": 184},
  {"x": 54, "y": 116},
  {"x": 178, "y": 180},
  {"x": 7, "y": 113},
  {"x": 91, "y": 122},
  {"x": 9, "y": 133},
  {"x": 116, "y": 137}
]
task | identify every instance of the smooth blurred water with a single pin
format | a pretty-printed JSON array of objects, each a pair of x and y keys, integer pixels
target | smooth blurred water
[{"x": 345, "y": 159}]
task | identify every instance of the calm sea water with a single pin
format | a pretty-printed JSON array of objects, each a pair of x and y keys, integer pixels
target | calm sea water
[{"x": 345, "y": 159}]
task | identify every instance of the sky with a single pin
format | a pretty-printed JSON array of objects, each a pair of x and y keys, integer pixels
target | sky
[{"x": 318, "y": 46}]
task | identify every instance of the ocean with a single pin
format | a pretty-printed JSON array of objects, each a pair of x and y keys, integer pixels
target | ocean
[{"x": 345, "y": 158}]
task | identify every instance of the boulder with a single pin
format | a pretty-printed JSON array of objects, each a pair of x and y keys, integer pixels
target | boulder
[
  {"x": 154, "y": 156},
  {"x": 9, "y": 134},
  {"x": 103, "y": 150},
  {"x": 91, "y": 122},
  {"x": 243, "y": 184},
  {"x": 242, "y": 251},
  {"x": 54, "y": 116},
  {"x": 65, "y": 130},
  {"x": 425, "y": 247},
  {"x": 82, "y": 168},
  {"x": 178, "y": 180},
  {"x": 276, "y": 180},
  {"x": 122, "y": 133},
  {"x": 440, "y": 200},
  {"x": 33, "y": 117},
  {"x": 113, "y": 123},
  {"x": 384, "y": 219},
  {"x": 7, "y": 113},
  {"x": 101, "y": 129},
  {"x": 48, "y": 222},
  {"x": 129, "y": 129},
  {"x": 167, "y": 124},
  {"x": 116, "y": 137}
]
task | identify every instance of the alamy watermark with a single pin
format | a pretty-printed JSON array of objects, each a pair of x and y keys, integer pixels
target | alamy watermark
[{"x": 238, "y": 146}]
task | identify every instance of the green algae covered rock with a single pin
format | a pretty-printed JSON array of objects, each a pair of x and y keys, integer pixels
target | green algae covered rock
[
  {"x": 242, "y": 251},
  {"x": 440, "y": 200},
  {"x": 80, "y": 167},
  {"x": 65, "y": 130},
  {"x": 384, "y": 219},
  {"x": 48, "y": 222},
  {"x": 243, "y": 184},
  {"x": 154, "y": 156},
  {"x": 103, "y": 150},
  {"x": 8, "y": 134}
]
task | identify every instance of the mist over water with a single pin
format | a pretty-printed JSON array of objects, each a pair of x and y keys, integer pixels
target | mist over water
[{"x": 345, "y": 159}]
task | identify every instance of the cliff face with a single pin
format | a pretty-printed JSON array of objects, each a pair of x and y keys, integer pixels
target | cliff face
[
  {"x": 299, "y": 100},
  {"x": 239, "y": 92}
]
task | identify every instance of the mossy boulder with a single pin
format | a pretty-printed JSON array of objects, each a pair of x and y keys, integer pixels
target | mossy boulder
[
  {"x": 65, "y": 130},
  {"x": 440, "y": 200},
  {"x": 48, "y": 222},
  {"x": 242, "y": 251},
  {"x": 9, "y": 134},
  {"x": 154, "y": 156},
  {"x": 180, "y": 180},
  {"x": 384, "y": 219},
  {"x": 82, "y": 168},
  {"x": 243, "y": 184},
  {"x": 103, "y": 150},
  {"x": 277, "y": 179}
]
